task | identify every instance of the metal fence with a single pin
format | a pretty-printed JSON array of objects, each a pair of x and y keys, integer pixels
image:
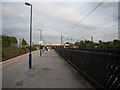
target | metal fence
[{"x": 103, "y": 69}]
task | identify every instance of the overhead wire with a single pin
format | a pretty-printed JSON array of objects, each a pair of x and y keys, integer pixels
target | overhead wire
[
  {"x": 86, "y": 16},
  {"x": 101, "y": 24},
  {"x": 97, "y": 25},
  {"x": 102, "y": 30},
  {"x": 104, "y": 23}
]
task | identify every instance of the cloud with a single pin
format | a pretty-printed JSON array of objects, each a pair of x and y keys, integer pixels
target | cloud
[
  {"x": 8, "y": 13},
  {"x": 58, "y": 18}
]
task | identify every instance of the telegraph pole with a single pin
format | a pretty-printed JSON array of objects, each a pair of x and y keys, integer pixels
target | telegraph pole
[
  {"x": 19, "y": 42},
  {"x": 61, "y": 40},
  {"x": 40, "y": 40},
  {"x": 61, "y": 44},
  {"x": 43, "y": 40},
  {"x": 71, "y": 40},
  {"x": 40, "y": 35},
  {"x": 91, "y": 39}
]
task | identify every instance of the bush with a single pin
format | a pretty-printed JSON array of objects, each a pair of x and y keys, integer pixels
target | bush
[{"x": 33, "y": 48}]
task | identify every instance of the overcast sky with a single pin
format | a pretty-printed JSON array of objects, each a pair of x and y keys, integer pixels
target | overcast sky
[{"x": 56, "y": 18}]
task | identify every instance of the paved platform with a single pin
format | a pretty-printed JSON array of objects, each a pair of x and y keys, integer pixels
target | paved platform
[{"x": 48, "y": 71}]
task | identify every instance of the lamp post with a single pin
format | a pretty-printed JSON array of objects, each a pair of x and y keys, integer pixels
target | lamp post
[
  {"x": 40, "y": 40},
  {"x": 30, "y": 55}
]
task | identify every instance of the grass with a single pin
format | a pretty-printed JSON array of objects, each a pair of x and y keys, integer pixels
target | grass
[{"x": 10, "y": 52}]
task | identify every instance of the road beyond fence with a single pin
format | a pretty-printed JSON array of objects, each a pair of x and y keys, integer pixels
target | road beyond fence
[{"x": 49, "y": 71}]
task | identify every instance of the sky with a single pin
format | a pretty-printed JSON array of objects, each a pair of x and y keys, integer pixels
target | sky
[{"x": 61, "y": 18}]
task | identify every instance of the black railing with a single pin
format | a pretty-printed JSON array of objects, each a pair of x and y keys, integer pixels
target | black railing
[{"x": 103, "y": 69}]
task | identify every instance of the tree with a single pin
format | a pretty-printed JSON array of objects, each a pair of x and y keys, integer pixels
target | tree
[
  {"x": 100, "y": 41},
  {"x": 115, "y": 44},
  {"x": 82, "y": 44},
  {"x": 77, "y": 43},
  {"x": 24, "y": 42},
  {"x": 14, "y": 40},
  {"x": 8, "y": 40}
]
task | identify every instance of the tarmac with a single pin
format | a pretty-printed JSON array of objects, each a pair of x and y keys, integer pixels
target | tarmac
[{"x": 48, "y": 71}]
